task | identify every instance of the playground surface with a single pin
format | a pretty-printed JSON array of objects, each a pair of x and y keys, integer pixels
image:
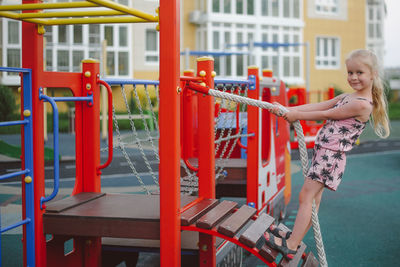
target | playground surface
[{"x": 360, "y": 222}]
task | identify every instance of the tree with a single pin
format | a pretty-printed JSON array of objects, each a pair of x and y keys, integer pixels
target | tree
[{"x": 7, "y": 103}]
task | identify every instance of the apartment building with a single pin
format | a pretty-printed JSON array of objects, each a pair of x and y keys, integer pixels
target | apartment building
[{"x": 330, "y": 28}]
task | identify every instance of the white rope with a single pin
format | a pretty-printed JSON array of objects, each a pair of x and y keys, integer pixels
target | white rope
[{"x": 303, "y": 156}]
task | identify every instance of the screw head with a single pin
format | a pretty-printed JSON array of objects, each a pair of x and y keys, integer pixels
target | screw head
[
  {"x": 88, "y": 74},
  {"x": 88, "y": 86},
  {"x": 202, "y": 73}
]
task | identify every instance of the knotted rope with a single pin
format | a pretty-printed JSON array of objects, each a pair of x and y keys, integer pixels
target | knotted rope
[{"x": 302, "y": 148}]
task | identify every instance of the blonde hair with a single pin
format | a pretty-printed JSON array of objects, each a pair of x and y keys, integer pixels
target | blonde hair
[{"x": 379, "y": 116}]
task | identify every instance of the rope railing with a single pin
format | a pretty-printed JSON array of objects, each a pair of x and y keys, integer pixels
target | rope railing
[{"x": 302, "y": 148}]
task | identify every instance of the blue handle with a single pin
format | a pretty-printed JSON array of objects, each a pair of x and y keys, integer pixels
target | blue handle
[{"x": 55, "y": 147}]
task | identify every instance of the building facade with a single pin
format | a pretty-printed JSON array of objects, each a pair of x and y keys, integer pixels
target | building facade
[{"x": 267, "y": 33}]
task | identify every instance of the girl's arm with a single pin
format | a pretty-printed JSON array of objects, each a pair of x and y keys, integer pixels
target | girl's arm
[
  {"x": 324, "y": 105},
  {"x": 355, "y": 108}
]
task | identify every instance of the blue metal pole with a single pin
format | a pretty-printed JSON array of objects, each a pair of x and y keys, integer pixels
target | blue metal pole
[{"x": 29, "y": 185}]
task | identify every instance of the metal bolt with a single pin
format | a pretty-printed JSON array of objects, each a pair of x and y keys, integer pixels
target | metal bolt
[
  {"x": 88, "y": 86},
  {"x": 88, "y": 74},
  {"x": 178, "y": 90},
  {"x": 213, "y": 74},
  {"x": 202, "y": 73},
  {"x": 28, "y": 179},
  {"x": 27, "y": 113}
]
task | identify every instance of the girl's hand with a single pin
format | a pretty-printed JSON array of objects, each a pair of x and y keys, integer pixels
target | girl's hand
[
  {"x": 291, "y": 116},
  {"x": 276, "y": 110}
]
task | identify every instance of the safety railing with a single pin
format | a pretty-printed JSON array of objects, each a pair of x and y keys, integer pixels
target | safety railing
[
  {"x": 27, "y": 165},
  {"x": 52, "y": 101}
]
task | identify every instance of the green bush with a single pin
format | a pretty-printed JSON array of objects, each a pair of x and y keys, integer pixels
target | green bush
[
  {"x": 8, "y": 105},
  {"x": 394, "y": 111}
]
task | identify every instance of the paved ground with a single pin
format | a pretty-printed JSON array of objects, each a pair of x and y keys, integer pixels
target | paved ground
[{"x": 360, "y": 222}]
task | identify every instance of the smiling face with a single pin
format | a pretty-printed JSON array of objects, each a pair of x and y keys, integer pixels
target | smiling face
[{"x": 359, "y": 75}]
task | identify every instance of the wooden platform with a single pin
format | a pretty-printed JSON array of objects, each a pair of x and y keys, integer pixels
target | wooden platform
[
  {"x": 132, "y": 217},
  {"x": 106, "y": 215}
]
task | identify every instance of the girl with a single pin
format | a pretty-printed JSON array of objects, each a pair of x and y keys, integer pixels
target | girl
[{"x": 346, "y": 115}]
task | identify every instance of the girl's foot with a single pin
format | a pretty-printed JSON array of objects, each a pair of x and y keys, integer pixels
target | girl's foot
[
  {"x": 281, "y": 245},
  {"x": 276, "y": 231}
]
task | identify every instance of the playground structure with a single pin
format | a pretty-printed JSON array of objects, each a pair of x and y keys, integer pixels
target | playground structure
[{"x": 89, "y": 214}]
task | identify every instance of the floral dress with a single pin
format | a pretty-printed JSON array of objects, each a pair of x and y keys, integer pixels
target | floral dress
[{"x": 333, "y": 140}]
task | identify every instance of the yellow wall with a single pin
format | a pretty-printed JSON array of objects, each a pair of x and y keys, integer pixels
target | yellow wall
[{"x": 352, "y": 35}]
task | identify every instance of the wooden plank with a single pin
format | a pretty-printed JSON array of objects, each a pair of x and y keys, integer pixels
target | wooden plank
[
  {"x": 256, "y": 230},
  {"x": 72, "y": 201},
  {"x": 191, "y": 215},
  {"x": 310, "y": 261},
  {"x": 236, "y": 221},
  {"x": 296, "y": 259},
  {"x": 268, "y": 253},
  {"x": 216, "y": 214}
]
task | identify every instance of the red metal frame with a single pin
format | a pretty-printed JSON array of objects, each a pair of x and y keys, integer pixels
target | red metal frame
[
  {"x": 169, "y": 145},
  {"x": 253, "y": 145},
  {"x": 206, "y": 172}
]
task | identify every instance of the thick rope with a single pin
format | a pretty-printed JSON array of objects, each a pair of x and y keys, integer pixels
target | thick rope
[{"x": 303, "y": 156}]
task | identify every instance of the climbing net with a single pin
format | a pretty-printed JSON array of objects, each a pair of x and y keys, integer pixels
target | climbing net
[{"x": 139, "y": 145}]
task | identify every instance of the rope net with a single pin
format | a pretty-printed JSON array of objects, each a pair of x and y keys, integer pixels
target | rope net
[{"x": 136, "y": 133}]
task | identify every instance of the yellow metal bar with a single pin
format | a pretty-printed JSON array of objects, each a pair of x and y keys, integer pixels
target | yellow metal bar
[
  {"x": 125, "y": 9},
  {"x": 128, "y": 19},
  {"x": 47, "y": 6},
  {"x": 88, "y": 13}
]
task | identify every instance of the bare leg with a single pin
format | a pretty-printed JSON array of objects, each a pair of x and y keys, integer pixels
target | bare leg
[
  {"x": 317, "y": 203},
  {"x": 310, "y": 190}
]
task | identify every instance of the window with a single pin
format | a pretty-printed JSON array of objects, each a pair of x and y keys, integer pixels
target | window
[
  {"x": 77, "y": 57},
  {"x": 13, "y": 29},
  {"x": 374, "y": 22},
  {"x": 327, "y": 6},
  {"x": 327, "y": 53},
  {"x": 62, "y": 34},
  {"x": 78, "y": 34},
  {"x": 123, "y": 35},
  {"x": 12, "y": 46},
  {"x": 109, "y": 35},
  {"x": 67, "y": 45},
  {"x": 62, "y": 60},
  {"x": 151, "y": 52},
  {"x": 123, "y": 63}
]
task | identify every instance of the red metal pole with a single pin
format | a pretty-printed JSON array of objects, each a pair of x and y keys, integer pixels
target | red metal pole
[
  {"x": 253, "y": 142},
  {"x": 169, "y": 145},
  {"x": 32, "y": 58},
  {"x": 205, "y": 69},
  {"x": 189, "y": 121}
]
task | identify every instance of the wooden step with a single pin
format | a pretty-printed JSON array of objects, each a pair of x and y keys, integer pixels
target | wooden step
[
  {"x": 236, "y": 221},
  {"x": 191, "y": 215},
  {"x": 72, "y": 201},
  {"x": 268, "y": 253},
  {"x": 296, "y": 259},
  {"x": 216, "y": 214},
  {"x": 310, "y": 261},
  {"x": 256, "y": 230}
]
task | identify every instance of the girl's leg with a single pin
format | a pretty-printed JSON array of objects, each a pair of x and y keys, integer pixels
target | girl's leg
[
  {"x": 310, "y": 190},
  {"x": 317, "y": 203}
]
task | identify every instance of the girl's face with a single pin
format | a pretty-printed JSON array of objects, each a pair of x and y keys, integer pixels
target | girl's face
[{"x": 359, "y": 75}]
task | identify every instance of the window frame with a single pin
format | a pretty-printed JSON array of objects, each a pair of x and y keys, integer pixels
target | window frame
[{"x": 319, "y": 46}]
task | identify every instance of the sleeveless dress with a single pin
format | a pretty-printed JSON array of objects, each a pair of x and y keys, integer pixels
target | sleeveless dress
[{"x": 333, "y": 140}]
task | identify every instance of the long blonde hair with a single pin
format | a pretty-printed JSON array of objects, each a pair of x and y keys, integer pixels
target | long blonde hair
[{"x": 379, "y": 116}]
